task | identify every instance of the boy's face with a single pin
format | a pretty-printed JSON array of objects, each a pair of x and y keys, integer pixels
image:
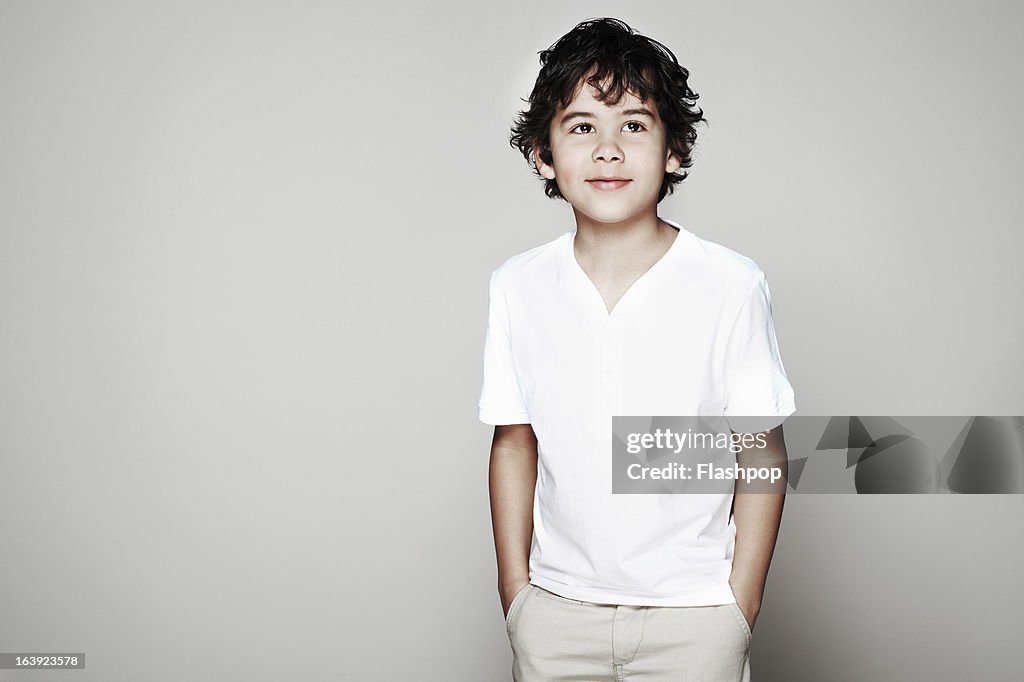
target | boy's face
[{"x": 609, "y": 161}]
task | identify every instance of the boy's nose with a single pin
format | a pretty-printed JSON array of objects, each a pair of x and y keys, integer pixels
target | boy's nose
[{"x": 607, "y": 150}]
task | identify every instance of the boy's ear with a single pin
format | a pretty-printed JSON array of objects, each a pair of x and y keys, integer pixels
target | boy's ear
[
  {"x": 672, "y": 162},
  {"x": 546, "y": 171}
]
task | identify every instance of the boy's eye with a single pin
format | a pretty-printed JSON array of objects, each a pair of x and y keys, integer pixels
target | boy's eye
[{"x": 632, "y": 127}]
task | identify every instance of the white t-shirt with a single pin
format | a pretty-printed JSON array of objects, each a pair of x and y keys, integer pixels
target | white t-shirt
[{"x": 693, "y": 336}]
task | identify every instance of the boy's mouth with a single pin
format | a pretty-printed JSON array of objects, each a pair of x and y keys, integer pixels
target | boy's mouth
[{"x": 608, "y": 183}]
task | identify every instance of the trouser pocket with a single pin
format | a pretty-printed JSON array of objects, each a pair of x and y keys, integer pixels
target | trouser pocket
[
  {"x": 546, "y": 594},
  {"x": 516, "y": 602},
  {"x": 741, "y": 621}
]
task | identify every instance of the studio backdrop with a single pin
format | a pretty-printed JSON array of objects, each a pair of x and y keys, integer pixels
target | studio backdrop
[{"x": 244, "y": 256}]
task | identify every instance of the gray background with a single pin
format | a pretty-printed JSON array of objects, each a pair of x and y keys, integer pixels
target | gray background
[{"x": 244, "y": 252}]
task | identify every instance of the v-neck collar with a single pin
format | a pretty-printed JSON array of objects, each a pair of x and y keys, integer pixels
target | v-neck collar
[{"x": 596, "y": 311}]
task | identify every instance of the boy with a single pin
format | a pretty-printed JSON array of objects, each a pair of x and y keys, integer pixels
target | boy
[{"x": 628, "y": 313}]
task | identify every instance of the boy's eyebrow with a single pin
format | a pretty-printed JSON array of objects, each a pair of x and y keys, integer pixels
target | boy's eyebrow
[
  {"x": 638, "y": 112},
  {"x": 570, "y": 115}
]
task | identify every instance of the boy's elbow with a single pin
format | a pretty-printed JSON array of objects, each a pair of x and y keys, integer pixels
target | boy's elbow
[{"x": 515, "y": 438}]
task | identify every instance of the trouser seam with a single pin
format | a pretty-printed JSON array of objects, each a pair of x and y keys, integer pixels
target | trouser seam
[
  {"x": 743, "y": 665},
  {"x": 643, "y": 630}
]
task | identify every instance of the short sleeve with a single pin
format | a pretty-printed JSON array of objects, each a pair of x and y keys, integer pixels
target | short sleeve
[
  {"x": 755, "y": 378},
  {"x": 501, "y": 401}
]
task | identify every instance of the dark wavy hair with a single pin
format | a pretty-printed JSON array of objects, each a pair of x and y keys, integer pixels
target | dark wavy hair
[{"x": 600, "y": 50}]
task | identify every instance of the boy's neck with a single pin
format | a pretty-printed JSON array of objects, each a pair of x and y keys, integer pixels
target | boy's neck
[{"x": 602, "y": 242}]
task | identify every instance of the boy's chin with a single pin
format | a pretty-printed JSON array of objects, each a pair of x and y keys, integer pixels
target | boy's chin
[{"x": 608, "y": 216}]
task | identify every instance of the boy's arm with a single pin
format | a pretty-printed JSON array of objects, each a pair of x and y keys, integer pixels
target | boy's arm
[
  {"x": 513, "y": 479},
  {"x": 757, "y": 517}
]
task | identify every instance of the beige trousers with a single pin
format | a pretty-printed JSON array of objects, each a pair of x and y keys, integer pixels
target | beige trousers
[{"x": 554, "y": 638}]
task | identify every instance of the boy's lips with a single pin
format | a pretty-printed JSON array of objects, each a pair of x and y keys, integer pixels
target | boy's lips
[{"x": 608, "y": 183}]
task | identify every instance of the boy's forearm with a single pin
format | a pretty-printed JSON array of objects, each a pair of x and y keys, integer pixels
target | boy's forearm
[
  {"x": 757, "y": 517},
  {"x": 513, "y": 479},
  {"x": 757, "y": 525}
]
